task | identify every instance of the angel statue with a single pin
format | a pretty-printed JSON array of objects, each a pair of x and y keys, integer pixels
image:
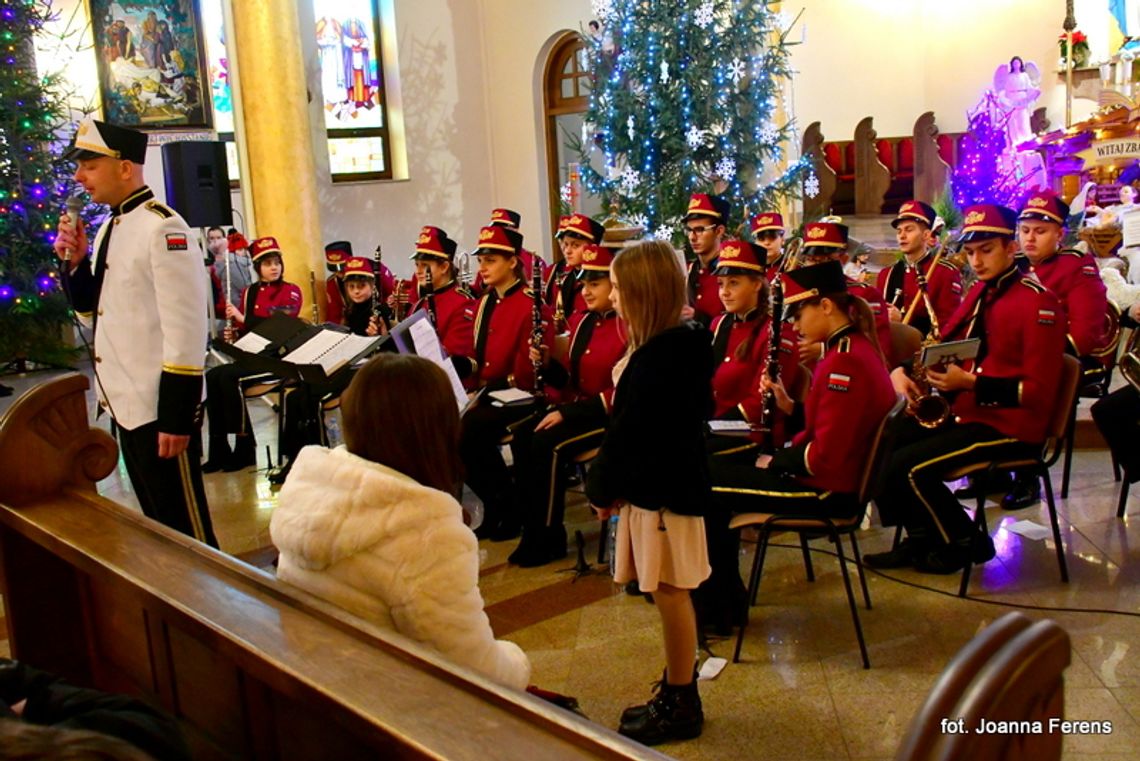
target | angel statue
[{"x": 1017, "y": 88}]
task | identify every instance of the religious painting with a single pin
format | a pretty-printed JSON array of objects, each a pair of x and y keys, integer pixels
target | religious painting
[
  {"x": 217, "y": 65},
  {"x": 351, "y": 82},
  {"x": 150, "y": 55}
]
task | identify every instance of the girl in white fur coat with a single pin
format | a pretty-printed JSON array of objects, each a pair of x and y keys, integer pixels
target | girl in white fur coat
[{"x": 372, "y": 527}]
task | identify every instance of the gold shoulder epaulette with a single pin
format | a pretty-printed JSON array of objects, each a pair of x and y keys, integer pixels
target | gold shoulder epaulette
[
  {"x": 1072, "y": 252},
  {"x": 1033, "y": 284},
  {"x": 948, "y": 264},
  {"x": 844, "y": 345},
  {"x": 158, "y": 209}
]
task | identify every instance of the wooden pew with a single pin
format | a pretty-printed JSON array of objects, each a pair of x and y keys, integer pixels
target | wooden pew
[
  {"x": 252, "y": 667},
  {"x": 930, "y": 170},
  {"x": 872, "y": 178},
  {"x": 821, "y": 204}
]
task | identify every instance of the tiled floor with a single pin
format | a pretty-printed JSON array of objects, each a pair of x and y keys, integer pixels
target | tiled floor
[{"x": 800, "y": 691}]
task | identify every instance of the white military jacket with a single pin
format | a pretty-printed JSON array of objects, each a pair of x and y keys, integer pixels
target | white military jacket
[{"x": 149, "y": 316}]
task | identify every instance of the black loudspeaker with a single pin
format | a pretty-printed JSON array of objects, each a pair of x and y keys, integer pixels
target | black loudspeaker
[{"x": 197, "y": 185}]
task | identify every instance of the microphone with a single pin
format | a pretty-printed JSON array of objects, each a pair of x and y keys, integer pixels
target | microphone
[{"x": 72, "y": 207}]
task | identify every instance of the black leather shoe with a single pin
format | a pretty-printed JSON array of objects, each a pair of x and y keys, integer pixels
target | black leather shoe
[
  {"x": 998, "y": 482},
  {"x": 1025, "y": 493},
  {"x": 505, "y": 531},
  {"x": 902, "y": 556},
  {"x": 674, "y": 713},
  {"x": 944, "y": 560},
  {"x": 633, "y": 713}
]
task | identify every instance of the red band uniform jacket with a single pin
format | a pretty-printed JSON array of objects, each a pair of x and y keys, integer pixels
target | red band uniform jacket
[
  {"x": 454, "y": 318},
  {"x": 898, "y": 285},
  {"x": 587, "y": 386},
  {"x": 261, "y": 301},
  {"x": 1022, "y": 329},
  {"x": 1075, "y": 279},
  {"x": 850, "y": 395},
  {"x": 501, "y": 357},
  {"x": 704, "y": 292}
]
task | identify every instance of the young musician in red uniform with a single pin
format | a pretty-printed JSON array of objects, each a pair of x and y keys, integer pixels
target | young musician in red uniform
[
  {"x": 559, "y": 268},
  {"x": 827, "y": 241},
  {"x": 582, "y": 386},
  {"x": 337, "y": 255},
  {"x": 851, "y": 393},
  {"x": 359, "y": 283},
  {"x": 704, "y": 224},
  {"x": 501, "y": 359},
  {"x": 225, "y": 406},
  {"x": 451, "y": 305},
  {"x": 511, "y": 220},
  {"x": 1075, "y": 279},
  {"x": 768, "y": 232},
  {"x": 569, "y": 305},
  {"x": 1001, "y": 402},
  {"x": 898, "y": 284},
  {"x": 741, "y": 346}
]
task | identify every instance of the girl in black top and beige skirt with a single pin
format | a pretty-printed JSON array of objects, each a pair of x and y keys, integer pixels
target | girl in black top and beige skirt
[{"x": 652, "y": 472}]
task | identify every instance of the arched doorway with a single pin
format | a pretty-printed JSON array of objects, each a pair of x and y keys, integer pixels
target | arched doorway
[{"x": 566, "y": 95}]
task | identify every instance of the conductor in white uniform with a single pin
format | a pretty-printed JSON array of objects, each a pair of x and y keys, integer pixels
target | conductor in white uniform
[{"x": 142, "y": 292}]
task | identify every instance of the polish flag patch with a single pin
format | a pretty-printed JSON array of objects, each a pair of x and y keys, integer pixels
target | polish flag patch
[
  {"x": 838, "y": 382},
  {"x": 956, "y": 287},
  {"x": 1090, "y": 270},
  {"x": 1046, "y": 316},
  {"x": 175, "y": 242}
]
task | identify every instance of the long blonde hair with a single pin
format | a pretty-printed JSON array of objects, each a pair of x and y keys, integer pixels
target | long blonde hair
[{"x": 651, "y": 289}]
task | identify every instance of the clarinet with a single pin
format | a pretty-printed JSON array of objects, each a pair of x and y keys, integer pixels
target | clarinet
[
  {"x": 313, "y": 295},
  {"x": 380, "y": 311},
  {"x": 536, "y": 334},
  {"x": 429, "y": 296},
  {"x": 772, "y": 368}
]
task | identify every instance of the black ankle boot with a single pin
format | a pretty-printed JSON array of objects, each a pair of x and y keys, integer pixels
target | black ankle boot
[
  {"x": 633, "y": 713},
  {"x": 217, "y": 455},
  {"x": 245, "y": 454},
  {"x": 674, "y": 713}
]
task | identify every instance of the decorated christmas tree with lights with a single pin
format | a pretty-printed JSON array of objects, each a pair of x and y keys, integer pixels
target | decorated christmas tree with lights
[
  {"x": 987, "y": 170},
  {"x": 33, "y": 183},
  {"x": 686, "y": 97}
]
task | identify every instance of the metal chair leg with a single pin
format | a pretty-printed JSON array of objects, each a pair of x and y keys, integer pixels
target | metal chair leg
[
  {"x": 979, "y": 526},
  {"x": 1123, "y": 503},
  {"x": 1115, "y": 467},
  {"x": 753, "y": 584},
  {"x": 859, "y": 568},
  {"x": 1070, "y": 436},
  {"x": 807, "y": 558},
  {"x": 851, "y": 599},
  {"x": 1055, "y": 526},
  {"x": 898, "y": 537}
]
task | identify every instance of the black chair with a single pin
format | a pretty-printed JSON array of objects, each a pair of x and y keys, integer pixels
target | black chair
[
  {"x": 807, "y": 528},
  {"x": 1094, "y": 383}
]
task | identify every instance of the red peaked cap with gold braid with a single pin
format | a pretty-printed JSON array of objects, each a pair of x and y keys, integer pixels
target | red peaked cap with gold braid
[
  {"x": 769, "y": 220},
  {"x": 496, "y": 239},
  {"x": 813, "y": 282},
  {"x": 433, "y": 242},
  {"x": 263, "y": 247},
  {"x": 360, "y": 267},
  {"x": 740, "y": 257},
  {"x": 916, "y": 210},
  {"x": 506, "y": 218},
  {"x": 705, "y": 205},
  {"x": 596, "y": 261},
  {"x": 987, "y": 220},
  {"x": 337, "y": 253},
  {"x": 562, "y": 225},
  {"x": 1046, "y": 206},
  {"x": 581, "y": 226},
  {"x": 825, "y": 234}
]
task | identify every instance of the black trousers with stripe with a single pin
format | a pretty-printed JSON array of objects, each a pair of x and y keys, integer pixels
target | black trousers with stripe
[
  {"x": 915, "y": 493},
  {"x": 225, "y": 405},
  {"x": 540, "y": 458},
  {"x": 169, "y": 490}
]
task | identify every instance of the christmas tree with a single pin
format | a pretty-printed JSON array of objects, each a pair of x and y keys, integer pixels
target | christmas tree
[
  {"x": 33, "y": 183},
  {"x": 686, "y": 98},
  {"x": 987, "y": 170}
]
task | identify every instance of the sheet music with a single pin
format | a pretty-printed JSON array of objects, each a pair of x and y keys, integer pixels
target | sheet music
[
  {"x": 330, "y": 350},
  {"x": 720, "y": 426},
  {"x": 510, "y": 395},
  {"x": 427, "y": 346},
  {"x": 251, "y": 342},
  {"x": 1130, "y": 224}
]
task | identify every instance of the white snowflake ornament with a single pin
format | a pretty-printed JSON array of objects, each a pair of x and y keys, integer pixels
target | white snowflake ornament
[
  {"x": 664, "y": 72},
  {"x": 639, "y": 220},
  {"x": 695, "y": 136},
  {"x": 726, "y": 169},
  {"x": 630, "y": 179},
  {"x": 769, "y": 133},
  {"x": 602, "y": 9},
  {"x": 736, "y": 71},
  {"x": 811, "y": 186},
  {"x": 566, "y": 193},
  {"x": 664, "y": 232},
  {"x": 629, "y": 127},
  {"x": 704, "y": 15}
]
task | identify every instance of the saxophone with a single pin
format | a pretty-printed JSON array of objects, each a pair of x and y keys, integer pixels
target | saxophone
[{"x": 929, "y": 409}]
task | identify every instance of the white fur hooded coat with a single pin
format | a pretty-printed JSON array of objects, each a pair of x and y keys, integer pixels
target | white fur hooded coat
[{"x": 391, "y": 551}]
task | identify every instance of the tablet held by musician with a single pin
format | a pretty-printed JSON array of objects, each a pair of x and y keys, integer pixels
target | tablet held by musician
[
  {"x": 581, "y": 386},
  {"x": 899, "y": 284},
  {"x": 1000, "y": 403},
  {"x": 501, "y": 359}
]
